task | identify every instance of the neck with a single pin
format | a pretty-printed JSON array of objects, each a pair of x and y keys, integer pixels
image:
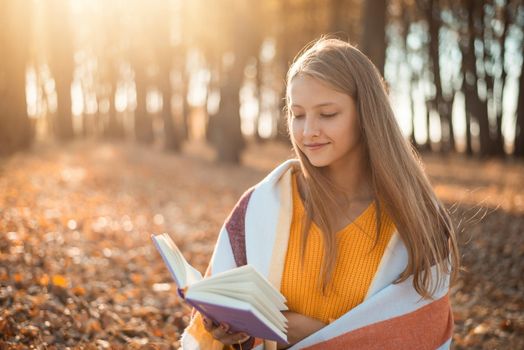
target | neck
[{"x": 351, "y": 175}]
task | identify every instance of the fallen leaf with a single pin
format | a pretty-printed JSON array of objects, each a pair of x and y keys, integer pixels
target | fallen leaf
[{"x": 60, "y": 281}]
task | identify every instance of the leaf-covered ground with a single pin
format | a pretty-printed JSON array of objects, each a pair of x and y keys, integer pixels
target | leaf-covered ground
[{"x": 78, "y": 270}]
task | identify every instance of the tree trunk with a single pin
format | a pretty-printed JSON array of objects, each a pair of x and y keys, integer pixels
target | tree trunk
[
  {"x": 185, "y": 112},
  {"x": 143, "y": 121},
  {"x": 114, "y": 128},
  {"x": 261, "y": 107},
  {"x": 469, "y": 146},
  {"x": 448, "y": 116},
  {"x": 469, "y": 101},
  {"x": 245, "y": 42},
  {"x": 15, "y": 128},
  {"x": 373, "y": 41},
  {"x": 487, "y": 38},
  {"x": 166, "y": 55},
  {"x": 172, "y": 132},
  {"x": 475, "y": 107},
  {"x": 336, "y": 14},
  {"x": 172, "y": 135},
  {"x": 518, "y": 148},
  {"x": 62, "y": 65},
  {"x": 499, "y": 95},
  {"x": 405, "y": 20},
  {"x": 227, "y": 135},
  {"x": 443, "y": 105},
  {"x": 427, "y": 146},
  {"x": 312, "y": 18},
  {"x": 412, "y": 138},
  {"x": 186, "y": 109},
  {"x": 284, "y": 59}
]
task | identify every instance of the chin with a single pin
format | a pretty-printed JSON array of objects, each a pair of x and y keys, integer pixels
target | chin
[{"x": 319, "y": 163}]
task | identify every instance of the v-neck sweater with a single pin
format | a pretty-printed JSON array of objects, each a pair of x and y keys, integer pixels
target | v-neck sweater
[{"x": 356, "y": 263}]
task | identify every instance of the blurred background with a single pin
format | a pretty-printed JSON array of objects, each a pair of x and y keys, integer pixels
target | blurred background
[
  {"x": 122, "y": 118},
  {"x": 172, "y": 71}
]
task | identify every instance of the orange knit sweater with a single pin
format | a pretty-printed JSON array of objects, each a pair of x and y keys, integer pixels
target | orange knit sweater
[{"x": 357, "y": 262}]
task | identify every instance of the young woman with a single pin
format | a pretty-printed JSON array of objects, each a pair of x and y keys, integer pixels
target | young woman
[{"x": 351, "y": 232}]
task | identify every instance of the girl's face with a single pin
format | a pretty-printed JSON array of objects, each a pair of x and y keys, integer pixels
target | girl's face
[{"x": 324, "y": 122}]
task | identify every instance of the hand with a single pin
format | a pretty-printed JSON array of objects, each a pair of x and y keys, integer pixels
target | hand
[
  {"x": 222, "y": 334},
  {"x": 299, "y": 327}
]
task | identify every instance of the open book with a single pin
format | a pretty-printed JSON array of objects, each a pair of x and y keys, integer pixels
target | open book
[{"x": 240, "y": 297}]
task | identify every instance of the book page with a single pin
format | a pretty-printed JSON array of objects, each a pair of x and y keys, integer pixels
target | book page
[
  {"x": 191, "y": 274},
  {"x": 247, "y": 273},
  {"x": 250, "y": 296},
  {"x": 183, "y": 273}
]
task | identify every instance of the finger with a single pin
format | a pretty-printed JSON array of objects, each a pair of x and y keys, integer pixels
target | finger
[
  {"x": 208, "y": 324},
  {"x": 236, "y": 338},
  {"x": 220, "y": 331}
]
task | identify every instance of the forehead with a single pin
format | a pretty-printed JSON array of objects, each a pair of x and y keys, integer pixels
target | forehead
[{"x": 306, "y": 91}]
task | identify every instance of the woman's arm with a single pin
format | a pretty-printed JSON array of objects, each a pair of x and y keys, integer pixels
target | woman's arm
[{"x": 299, "y": 327}]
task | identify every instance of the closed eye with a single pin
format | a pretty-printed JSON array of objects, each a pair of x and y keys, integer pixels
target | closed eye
[
  {"x": 298, "y": 116},
  {"x": 328, "y": 115}
]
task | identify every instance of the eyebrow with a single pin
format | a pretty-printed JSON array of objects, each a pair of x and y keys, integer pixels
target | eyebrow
[{"x": 316, "y": 106}]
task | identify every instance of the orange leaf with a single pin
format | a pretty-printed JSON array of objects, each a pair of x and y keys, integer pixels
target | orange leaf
[
  {"x": 119, "y": 298},
  {"x": 79, "y": 291},
  {"x": 3, "y": 276},
  {"x": 60, "y": 281},
  {"x": 93, "y": 326},
  {"x": 136, "y": 278},
  {"x": 44, "y": 280}
]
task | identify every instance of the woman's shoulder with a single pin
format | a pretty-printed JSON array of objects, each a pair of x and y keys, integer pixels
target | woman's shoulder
[{"x": 279, "y": 171}]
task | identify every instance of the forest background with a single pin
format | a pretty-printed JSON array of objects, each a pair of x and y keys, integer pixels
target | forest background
[{"x": 123, "y": 118}]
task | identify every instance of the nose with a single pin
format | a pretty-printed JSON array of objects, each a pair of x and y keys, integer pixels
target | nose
[{"x": 311, "y": 127}]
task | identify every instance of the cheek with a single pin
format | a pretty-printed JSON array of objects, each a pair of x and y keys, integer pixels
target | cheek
[
  {"x": 346, "y": 133},
  {"x": 296, "y": 130},
  {"x": 354, "y": 131}
]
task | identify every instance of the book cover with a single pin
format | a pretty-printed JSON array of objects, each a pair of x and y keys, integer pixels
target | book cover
[{"x": 217, "y": 298}]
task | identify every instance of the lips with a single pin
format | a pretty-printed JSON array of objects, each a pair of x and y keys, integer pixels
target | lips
[{"x": 315, "y": 146}]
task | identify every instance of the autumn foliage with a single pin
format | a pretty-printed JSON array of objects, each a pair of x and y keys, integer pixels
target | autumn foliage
[{"x": 78, "y": 270}]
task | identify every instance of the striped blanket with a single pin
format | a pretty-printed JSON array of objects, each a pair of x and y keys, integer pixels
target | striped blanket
[{"x": 392, "y": 316}]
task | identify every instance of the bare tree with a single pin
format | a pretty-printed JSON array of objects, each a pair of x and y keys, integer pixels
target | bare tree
[
  {"x": 110, "y": 60},
  {"x": 164, "y": 52},
  {"x": 230, "y": 59},
  {"x": 441, "y": 103},
  {"x": 519, "y": 125},
  {"x": 141, "y": 53},
  {"x": 476, "y": 108},
  {"x": 61, "y": 64},
  {"x": 373, "y": 39},
  {"x": 15, "y": 129},
  {"x": 518, "y": 144}
]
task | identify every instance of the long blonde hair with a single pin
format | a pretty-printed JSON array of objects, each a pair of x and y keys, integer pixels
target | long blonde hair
[{"x": 398, "y": 181}]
